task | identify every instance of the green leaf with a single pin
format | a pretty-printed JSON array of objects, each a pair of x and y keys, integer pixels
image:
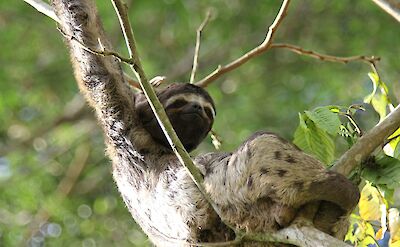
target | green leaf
[
  {"x": 396, "y": 153},
  {"x": 385, "y": 171},
  {"x": 314, "y": 141},
  {"x": 325, "y": 119}
]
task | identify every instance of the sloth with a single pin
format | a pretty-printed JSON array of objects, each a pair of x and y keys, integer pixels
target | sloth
[{"x": 259, "y": 187}]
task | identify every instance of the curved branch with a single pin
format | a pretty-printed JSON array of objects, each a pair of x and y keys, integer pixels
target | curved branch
[
  {"x": 368, "y": 143},
  {"x": 325, "y": 57},
  {"x": 264, "y": 46}
]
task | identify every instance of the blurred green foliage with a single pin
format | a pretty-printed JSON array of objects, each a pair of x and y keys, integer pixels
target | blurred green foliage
[{"x": 56, "y": 187}]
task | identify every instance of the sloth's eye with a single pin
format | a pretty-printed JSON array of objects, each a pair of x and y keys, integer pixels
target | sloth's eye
[
  {"x": 177, "y": 104},
  {"x": 209, "y": 112}
]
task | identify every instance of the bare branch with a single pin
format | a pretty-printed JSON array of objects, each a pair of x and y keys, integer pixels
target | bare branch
[
  {"x": 368, "y": 143},
  {"x": 307, "y": 236},
  {"x": 103, "y": 53},
  {"x": 197, "y": 49},
  {"x": 43, "y": 8},
  {"x": 264, "y": 46},
  {"x": 390, "y": 6},
  {"x": 325, "y": 57}
]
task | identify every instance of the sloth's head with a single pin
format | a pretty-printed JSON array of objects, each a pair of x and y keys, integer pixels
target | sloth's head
[{"x": 190, "y": 109}]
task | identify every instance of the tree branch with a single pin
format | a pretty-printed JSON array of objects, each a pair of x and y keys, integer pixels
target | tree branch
[
  {"x": 325, "y": 57},
  {"x": 43, "y": 8},
  {"x": 156, "y": 106},
  {"x": 390, "y": 6},
  {"x": 197, "y": 49},
  {"x": 368, "y": 143},
  {"x": 306, "y": 236},
  {"x": 264, "y": 46}
]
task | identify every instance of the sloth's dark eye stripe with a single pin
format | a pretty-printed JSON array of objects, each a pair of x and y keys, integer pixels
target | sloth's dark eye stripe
[
  {"x": 209, "y": 112},
  {"x": 177, "y": 103}
]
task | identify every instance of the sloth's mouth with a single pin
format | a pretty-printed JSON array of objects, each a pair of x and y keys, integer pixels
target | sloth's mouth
[{"x": 190, "y": 116}]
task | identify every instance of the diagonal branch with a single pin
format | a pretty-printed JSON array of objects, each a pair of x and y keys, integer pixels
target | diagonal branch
[
  {"x": 368, "y": 143},
  {"x": 390, "y": 6},
  {"x": 155, "y": 104},
  {"x": 264, "y": 46},
  {"x": 43, "y": 8}
]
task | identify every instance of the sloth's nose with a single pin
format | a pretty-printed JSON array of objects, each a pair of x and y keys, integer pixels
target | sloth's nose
[{"x": 195, "y": 107}]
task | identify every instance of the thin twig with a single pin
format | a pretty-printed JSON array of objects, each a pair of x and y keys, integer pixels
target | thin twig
[
  {"x": 368, "y": 143},
  {"x": 43, "y": 8},
  {"x": 97, "y": 52},
  {"x": 325, "y": 57},
  {"x": 264, "y": 46},
  {"x": 390, "y": 6},
  {"x": 197, "y": 49}
]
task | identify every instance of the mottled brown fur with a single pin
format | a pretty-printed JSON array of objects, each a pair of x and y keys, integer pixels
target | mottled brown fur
[{"x": 259, "y": 187}]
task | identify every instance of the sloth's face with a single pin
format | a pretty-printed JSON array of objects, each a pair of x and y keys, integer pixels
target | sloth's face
[{"x": 190, "y": 110}]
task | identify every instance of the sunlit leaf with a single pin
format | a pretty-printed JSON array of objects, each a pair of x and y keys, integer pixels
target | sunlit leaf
[
  {"x": 394, "y": 224},
  {"x": 350, "y": 235},
  {"x": 380, "y": 103},
  {"x": 366, "y": 234},
  {"x": 370, "y": 203},
  {"x": 375, "y": 80}
]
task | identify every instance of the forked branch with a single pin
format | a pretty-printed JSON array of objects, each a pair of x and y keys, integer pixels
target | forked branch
[{"x": 265, "y": 45}]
